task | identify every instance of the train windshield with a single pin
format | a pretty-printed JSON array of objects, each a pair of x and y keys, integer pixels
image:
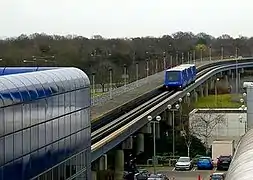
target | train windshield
[{"x": 173, "y": 75}]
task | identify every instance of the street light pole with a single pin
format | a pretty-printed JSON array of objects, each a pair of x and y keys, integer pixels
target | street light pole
[
  {"x": 173, "y": 127},
  {"x": 158, "y": 119},
  {"x": 216, "y": 92},
  {"x": 110, "y": 79}
]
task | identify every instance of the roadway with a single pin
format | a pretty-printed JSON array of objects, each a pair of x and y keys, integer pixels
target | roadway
[{"x": 184, "y": 175}]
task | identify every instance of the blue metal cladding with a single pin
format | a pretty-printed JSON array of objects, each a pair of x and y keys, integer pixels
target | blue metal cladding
[
  {"x": 18, "y": 70},
  {"x": 44, "y": 119}
]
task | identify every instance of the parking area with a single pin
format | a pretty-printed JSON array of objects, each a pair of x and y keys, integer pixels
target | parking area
[{"x": 184, "y": 175}]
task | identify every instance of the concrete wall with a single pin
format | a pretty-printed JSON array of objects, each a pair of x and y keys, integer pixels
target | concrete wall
[{"x": 230, "y": 128}]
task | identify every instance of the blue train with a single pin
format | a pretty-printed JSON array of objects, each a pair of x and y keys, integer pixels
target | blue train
[
  {"x": 43, "y": 121},
  {"x": 180, "y": 76}
]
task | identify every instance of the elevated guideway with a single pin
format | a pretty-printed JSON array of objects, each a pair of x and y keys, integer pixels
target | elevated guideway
[
  {"x": 110, "y": 136},
  {"x": 103, "y": 106}
]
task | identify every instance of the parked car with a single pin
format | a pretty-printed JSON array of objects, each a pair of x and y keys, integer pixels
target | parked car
[
  {"x": 157, "y": 177},
  {"x": 195, "y": 159},
  {"x": 217, "y": 176},
  {"x": 183, "y": 163},
  {"x": 205, "y": 163},
  {"x": 224, "y": 162}
]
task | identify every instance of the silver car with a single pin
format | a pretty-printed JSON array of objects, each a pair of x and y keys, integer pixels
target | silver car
[{"x": 184, "y": 163}]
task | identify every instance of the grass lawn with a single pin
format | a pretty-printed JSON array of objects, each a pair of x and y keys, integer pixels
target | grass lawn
[
  {"x": 96, "y": 94},
  {"x": 223, "y": 101}
]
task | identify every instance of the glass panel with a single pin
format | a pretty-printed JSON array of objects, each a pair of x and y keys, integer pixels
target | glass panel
[
  {"x": 49, "y": 108},
  {"x": 18, "y": 121},
  {"x": 2, "y": 148},
  {"x": 8, "y": 148},
  {"x": 49, "y": 132},
  {"x": 78, "y": 123},
  {"x": 73, "y": 121},
  {"x": 42, "y": 104},
  {"x": 67, "y": 102},
  {"x": 26, "y": 141},
  {"x": 42, "y": 135},
  {"x": 73, "y": 141},
  {"x": 8, "y": 117},
  {"x": 34, "y": 138},
  {"x": 67, "y": 125},
  {"x": 61, "y": 104},
  {"x": 18, "y": 144},
  {"x": 34, "y": 113},
  {"x": 2, "y": 122},
  {"x": 61, "y": 127},
  {"x": 55, "y": 106},
  {"x": 55, "y": 129},
  {"x": 67, "y": 145},
  {"x": 73, "y": 101},
  {"x": 26, "y": 115}
]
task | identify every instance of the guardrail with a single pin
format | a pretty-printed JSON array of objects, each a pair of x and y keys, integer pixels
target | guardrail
[{"x": 122, "y": 133}]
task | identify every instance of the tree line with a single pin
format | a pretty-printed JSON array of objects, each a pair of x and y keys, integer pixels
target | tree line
[{"x": 97, "y": 55}]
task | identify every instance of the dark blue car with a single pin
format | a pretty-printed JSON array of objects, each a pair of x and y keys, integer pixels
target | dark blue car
[{"x": 205, "y": 163}]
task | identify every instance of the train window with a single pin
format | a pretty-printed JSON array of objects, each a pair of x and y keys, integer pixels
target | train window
[{"x": 173, "y": 75}]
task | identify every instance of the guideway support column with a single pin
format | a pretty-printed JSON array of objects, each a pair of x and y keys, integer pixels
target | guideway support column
[
  {"x": 140, "y": 143},
  {"x": 201, "y": 91},
  {"x": 206, "y": 89},
  {"x": 119, "y": 165},
  {"x": 195, "y": 95}
]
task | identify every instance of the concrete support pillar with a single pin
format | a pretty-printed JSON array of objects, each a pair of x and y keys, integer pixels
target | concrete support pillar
[
  {"x": 239, "y": 82},
  {"x": 169, "y": 118},
  {"x": 201, "y": 91},
  {"x": 206, "y": 89},
  {"x": 195, "y": 95},
  {"x": 157, "y": 130},
  {"x": 146, "y": 129},
  {"x": 102, "y": 163},
  {"x": 128, "y": 143},
  {"x": 232, "y": 75},
  {"x": 140, "y": 143},
  {"x": 93, "y": 175},
  {"x": 119, "y": 165},
  {"x": 226, "y": 79}
]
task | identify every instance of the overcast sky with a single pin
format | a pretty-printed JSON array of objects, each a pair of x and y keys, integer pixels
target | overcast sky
[{"x": 130, "y": 18}]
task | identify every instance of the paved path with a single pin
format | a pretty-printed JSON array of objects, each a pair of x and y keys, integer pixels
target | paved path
[{"x": 155, "y": 81}]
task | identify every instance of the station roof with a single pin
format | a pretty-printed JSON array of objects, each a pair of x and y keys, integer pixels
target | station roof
[{"x": 18, "y": 88}]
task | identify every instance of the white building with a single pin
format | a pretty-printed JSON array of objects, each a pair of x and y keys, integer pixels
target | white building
[{"x": 218, "y": 124}]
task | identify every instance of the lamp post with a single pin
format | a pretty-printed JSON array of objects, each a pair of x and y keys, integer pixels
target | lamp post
[
  {"x": 137, "y": 73},
  {"x": 110, "y": 79},
  {"x": 216, "y": 91},
  {"x": 164, "y": 60},
  {"x": 188, "y": 99},
  {"x": 177, "y": 106},
  {"x": 157, "y": 120},
  {"x": 93, "y": 83},
  {"x": 180, "y": 112}
]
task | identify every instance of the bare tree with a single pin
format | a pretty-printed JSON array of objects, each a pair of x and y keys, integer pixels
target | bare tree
[
  {"x": 187, "y": 133},
  {"x": 202, "y": 125}
]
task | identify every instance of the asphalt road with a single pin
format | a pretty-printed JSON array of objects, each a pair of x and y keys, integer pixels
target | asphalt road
[{"x": 184, "y": 175}]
